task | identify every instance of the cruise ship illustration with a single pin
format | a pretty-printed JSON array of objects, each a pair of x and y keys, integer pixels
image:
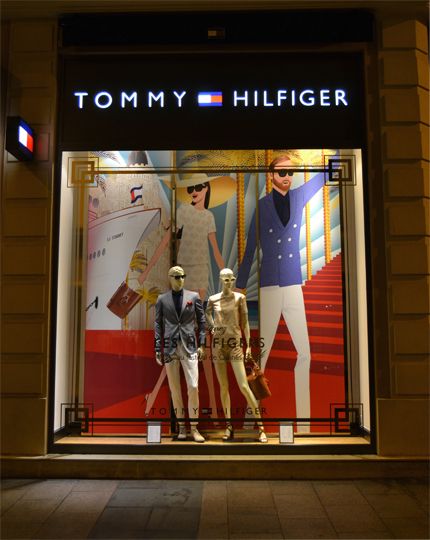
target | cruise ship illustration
[{"x": 112, "y": 240}]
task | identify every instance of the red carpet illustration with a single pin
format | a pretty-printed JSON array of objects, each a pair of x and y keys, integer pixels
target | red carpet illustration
[{"x": 121, "y": 372}]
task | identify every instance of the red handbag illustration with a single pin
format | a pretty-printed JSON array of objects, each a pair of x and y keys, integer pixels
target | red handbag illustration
[{"x": 123, "y": 300}]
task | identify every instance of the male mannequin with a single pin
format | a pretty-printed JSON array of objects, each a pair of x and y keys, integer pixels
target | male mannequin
[{"x": 176, "y": 314}]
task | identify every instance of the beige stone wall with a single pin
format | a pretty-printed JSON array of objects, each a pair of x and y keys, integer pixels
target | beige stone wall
[
  {"x": 26, "y": 240},
  {"x": 403, "y": 411}
]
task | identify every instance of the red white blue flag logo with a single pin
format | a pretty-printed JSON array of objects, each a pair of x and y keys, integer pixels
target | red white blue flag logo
[
  {"x": 134, "y": 194},
  {"x": 25, "y": 138},
  {"x": 210, "y": 99}
]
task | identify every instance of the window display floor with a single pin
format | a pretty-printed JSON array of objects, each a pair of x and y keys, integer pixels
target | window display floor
[{"x": 214, "y": 439}]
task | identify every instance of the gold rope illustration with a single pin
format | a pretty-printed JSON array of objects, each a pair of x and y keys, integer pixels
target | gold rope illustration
[
  {"x": 327, "y": 226},
  {"x": 308, "y": 235},
  {"x": 240, "y": 216},
  {"x": 268, "y": 159}
]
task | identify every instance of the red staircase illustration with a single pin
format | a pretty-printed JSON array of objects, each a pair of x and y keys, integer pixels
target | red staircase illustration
[{"x": 324, "y": 313}]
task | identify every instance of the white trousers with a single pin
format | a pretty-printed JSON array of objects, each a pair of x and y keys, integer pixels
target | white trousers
[
  {"x": 190, "y": 368},
  {"x": 288, "y": 302}
]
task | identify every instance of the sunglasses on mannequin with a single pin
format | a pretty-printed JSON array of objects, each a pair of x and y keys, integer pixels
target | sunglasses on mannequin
[
  {"x": 228, "y": 279},
  {"x": 283, "y": 172},
  {"x": 179, "y": 277},
  {"x": 197, "y": 188}
]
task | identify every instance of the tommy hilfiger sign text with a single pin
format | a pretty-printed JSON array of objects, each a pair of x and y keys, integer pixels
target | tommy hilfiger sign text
[{"x": 133, "y": 99}]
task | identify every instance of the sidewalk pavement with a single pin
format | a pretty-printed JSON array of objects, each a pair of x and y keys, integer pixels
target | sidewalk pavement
[{"x": 219, "y": 509}]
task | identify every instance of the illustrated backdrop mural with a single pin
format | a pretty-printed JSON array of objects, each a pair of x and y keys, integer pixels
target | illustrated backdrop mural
[{"x": 151, "y": 209}]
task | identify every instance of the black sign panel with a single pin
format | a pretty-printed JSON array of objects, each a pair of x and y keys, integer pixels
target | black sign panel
[{"x": 213, "y": 100}]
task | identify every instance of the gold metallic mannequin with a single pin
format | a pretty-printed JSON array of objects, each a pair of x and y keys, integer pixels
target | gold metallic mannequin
[{"x": 227, "y": 317}]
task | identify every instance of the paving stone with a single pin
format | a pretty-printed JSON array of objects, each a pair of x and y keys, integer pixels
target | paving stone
[
  {"x": 378, "y": 486},
  {"x": 214, "y": 521},
  {"x": 256, "y": 520},
  {"x": 402, "y": 527},
  {"x": 214, "y": 491},
  {"x": 191, "y": 484},
  {"x": 217, "y": 532},
  {"x": 307, "y": 528},
  {"x": 142, "y": 484},
  {"x": 249, "y": 497},
  {"x": 296, "y": 487},
  {"x": 154, "y": 535},
  {"x": 299, "y": 506},
  {"x": 151, "y": 497},
  {"x": 418, "y": 490},
  {"x": 121, "y": 523},
  {"x": 30, "y": 511},
  {"x": 9, "y": 497},
  {"x": 341, "y": 493},
  {"x": 96, "y": 485},
  {"x": 174, "y": 519},
  {"x": 49, "y": 489},
  {"x": 84, "y": 502},
  {"x": 23, "y": 483},
  {"x": 247, "y": 484},
  {"x": 364, "y": 535},
  {"x": 396, "y": 506},
  {"x": 17, "y": 529},
  {"x": 355, "y": 518},
  {"x": 214, "y": 511},
  {"x": 251, "y": 536},
  {"x": 63, "y": 525}
]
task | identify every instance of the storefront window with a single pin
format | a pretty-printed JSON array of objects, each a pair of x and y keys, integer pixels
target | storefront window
[{"x": 290, "y": 226}]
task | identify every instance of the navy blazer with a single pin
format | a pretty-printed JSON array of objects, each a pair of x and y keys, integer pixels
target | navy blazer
[
  {"x": 280, "y": 263},
  {"x": 170, "y": 329}
]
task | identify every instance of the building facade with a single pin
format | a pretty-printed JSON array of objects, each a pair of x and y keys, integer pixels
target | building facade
[{"x": 395, "y": 82}]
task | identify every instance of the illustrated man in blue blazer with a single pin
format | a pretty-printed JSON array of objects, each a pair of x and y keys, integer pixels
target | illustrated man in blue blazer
[
  {"x": 280, "y": 216},
  {"x": 177, "y": 314}
]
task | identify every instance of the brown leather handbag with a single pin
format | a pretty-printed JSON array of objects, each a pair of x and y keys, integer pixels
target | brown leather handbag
[
  {"x": 123, "y": 300},
  {"x": 257, "y": 381}
]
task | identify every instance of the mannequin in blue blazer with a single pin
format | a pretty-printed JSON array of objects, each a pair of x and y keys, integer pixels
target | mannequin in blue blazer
[{"x": 280, "y": 271}]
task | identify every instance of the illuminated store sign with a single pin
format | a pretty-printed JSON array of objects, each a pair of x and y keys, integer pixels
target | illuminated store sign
[
  {"x": 224, "y": 101},
  {"x": 19, "y": 138},
  {"x": 307, "y": 97}
]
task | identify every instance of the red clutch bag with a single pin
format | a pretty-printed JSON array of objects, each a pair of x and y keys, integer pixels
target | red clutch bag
[{"x": 123, "y": 300}]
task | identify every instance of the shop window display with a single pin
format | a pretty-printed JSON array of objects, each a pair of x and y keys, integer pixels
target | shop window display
[{"x": 288, "y": 223}]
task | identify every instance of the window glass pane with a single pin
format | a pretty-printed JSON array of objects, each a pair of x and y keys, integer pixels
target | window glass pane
[{"x": 289, "y": 224}]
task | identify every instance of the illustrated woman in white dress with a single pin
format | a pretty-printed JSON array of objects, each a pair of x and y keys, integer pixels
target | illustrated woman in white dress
[{"x": 196, "y": 229}]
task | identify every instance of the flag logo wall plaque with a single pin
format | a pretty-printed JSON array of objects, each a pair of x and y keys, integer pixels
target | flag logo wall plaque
[
  {"x": 210, "y": 99},
  {"x": 20, "y": 138}
]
